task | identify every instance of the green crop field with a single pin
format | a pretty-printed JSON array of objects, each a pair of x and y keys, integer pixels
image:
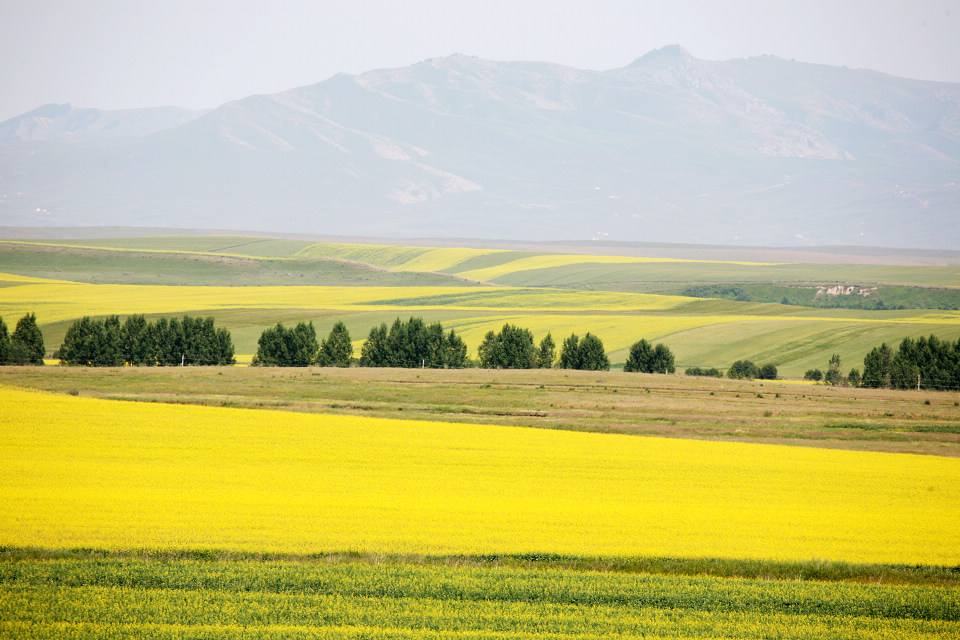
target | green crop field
[
  {"x": 91, "y": 595},
  {"x": 144, "y": 265}
]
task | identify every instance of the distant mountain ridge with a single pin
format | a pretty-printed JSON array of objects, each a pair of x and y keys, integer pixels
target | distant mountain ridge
[{"x": 667, "y": 148}]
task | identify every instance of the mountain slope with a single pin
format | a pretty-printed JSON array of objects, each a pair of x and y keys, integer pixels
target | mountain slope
[{"x": 668, "y": 148}]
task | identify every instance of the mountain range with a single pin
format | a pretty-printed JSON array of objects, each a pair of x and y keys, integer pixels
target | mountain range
[{"x": 669, "y": 148}]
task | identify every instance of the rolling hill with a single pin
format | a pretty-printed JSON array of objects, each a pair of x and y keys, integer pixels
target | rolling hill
[{"x": 668, "y": 148}]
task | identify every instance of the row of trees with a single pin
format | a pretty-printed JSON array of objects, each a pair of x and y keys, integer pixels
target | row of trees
[
  {"x": 413, "y": 343},
  {"x": 512, "y": 348},
  {"x": 584, "y": 353},
  {"x": 747, "y": 370},
  {"x": 279, "y": 346},
  {"x": 646, "y": 358},
  {"x": 925, "y": 363},
  {"x": 711, "y": 372},
  {"x": 178, "y": 341},
  {"x": 25, "y": 346}
]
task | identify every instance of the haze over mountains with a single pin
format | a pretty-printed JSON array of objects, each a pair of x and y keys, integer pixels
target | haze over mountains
[{"x": 668, "y": 148}]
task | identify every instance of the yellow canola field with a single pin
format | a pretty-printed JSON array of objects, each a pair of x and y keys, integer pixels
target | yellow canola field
[
  {"x": 82, "y": 472},
  {"x": 55, "y": 301},
  {"x": 440, "y": 259},
  {"x": 549, "y": 260}
]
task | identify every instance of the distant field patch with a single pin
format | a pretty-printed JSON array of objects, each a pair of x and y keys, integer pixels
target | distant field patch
[
  {"x": 548, "y": 261},
  {"x": 380, "y": 255},
  {"x": 442, "y": 259},
  {"x": 246, "y": 245}
]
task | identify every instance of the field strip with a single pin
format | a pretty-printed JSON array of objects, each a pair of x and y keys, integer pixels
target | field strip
[
  {"x": 187, "y": 252},
  {"x": 90, "y": 593},
  {"x": 435, "y": 260},
  {"x": 83, "y": 472},
  {"x": 59, "y": 300},
  {"x": 547, "y": 261},
  {"x": 20, "y": 279}
]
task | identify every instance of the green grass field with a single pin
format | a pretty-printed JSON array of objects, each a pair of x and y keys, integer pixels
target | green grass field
[
  {"x": 95, "y": 595},
  {"x": 146, "y": 265},
  {"x": 671, "y": 277}
]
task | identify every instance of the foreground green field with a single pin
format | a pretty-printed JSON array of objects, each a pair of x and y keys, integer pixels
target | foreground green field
[
  {"x": 95, "y": 595},
  {"x": 635, "y": 404}
]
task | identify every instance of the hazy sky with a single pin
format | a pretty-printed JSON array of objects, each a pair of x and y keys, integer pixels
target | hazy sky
[{"x": 196, "y": 53}]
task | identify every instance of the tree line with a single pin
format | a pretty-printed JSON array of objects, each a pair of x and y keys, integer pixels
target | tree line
[
  {"x": 298, "y": 346},
  {"x": 925, "y": 363},
  {"x": 108, "y": 342},
  {"x": 413, "y": 343},
  {"x": 921, "y": 363},
  {"x": 25, "y": 345}
]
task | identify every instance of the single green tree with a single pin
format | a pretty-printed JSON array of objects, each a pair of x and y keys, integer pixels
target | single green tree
[
  {"x": 833, "y": 375},
  {"x": 813, "y": 374},
  {"x": 876, "y": 367},
  {"x": 336, "y": 350},
  {"x": 373, "y": 353},
  {"x": 455, "y": 351},
  {"x": 570, "y": 352},
  {"x": 640, "y": 358},
  {"x": 546, "y": 352},
  {"x": 26, "y": 343},
  {"x": 854, "y": 377},
  {"x": 592, "y": 355},
  {"x": 663, "y": 360}
]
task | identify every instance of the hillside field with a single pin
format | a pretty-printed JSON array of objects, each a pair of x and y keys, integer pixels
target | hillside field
[{"x": 248, "y": 284}]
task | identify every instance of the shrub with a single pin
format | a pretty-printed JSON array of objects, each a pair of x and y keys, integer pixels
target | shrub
[
  {"x": 585, "y": 353},
  {"x": 767, "y": 372},
  {"x": 712, "y": 372},
  {"x": 645, "y": 358},
  {"x": 743, "y": 369}
]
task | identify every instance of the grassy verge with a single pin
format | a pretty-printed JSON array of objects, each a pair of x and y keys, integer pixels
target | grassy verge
[{"x": 676, "y": 406}]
